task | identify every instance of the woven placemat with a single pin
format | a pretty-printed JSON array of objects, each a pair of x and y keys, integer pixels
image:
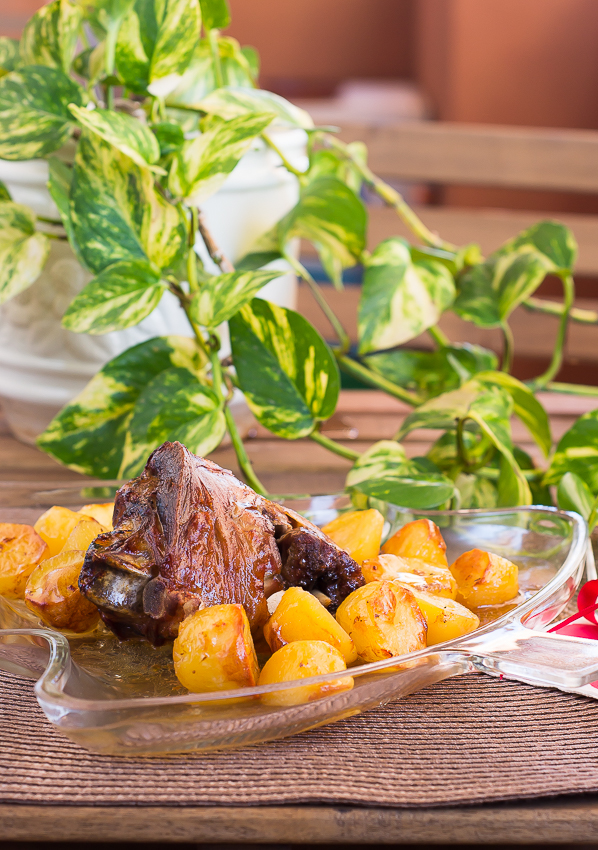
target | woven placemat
[{"x": 471, "y": 739}]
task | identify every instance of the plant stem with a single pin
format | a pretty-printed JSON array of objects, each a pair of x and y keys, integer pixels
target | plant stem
[
  {"x": 333, "y": 446},
  {"x": 507, "y": 357},
  {"x": 213, "y": 39},
  {"x": 461, "y": 449},
  {"x": 554, "y": 308},
  {"x": 358, "y": 370},
  {"x": 288, "y": 165},
  {"x": 341, "y": 333},
  {"x": 191, "y": 258},
  {"x": 391, "y": 197},
  {"x": 439, "y": 337},
  {"x": 215, "y": 253},
  {"x": 242, "y": 457},
  {"x": 571, "y": 389},
  {"x": 557, "y": 354}
]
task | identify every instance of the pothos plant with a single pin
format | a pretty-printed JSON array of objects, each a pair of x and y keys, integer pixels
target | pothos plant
[{"x": 142, "y": 109}]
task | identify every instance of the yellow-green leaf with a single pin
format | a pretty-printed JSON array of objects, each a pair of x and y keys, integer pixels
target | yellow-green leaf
[
  {"x": 284, "y": 367},
  {"x": 221, "y": 297},
  {"x": 232, "y": 101},
  {"x": 23, "y": 252},
  {"x": 126, "y": 133},
  {"x": 120, "y": 297},
  {"x": 50, "y": 36},
  {"x": 34, "y": 116},
  {"x": 577, "y": 452},
  {"x": 400, "y": 298}
]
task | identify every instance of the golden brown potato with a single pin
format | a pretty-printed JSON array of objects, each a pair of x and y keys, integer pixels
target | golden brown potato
[
  {"x": 214, "y": 650},
  {"x": 102, "y": 513},
  {"x": 21, "y": 550},
  {"x": 418, "y": 539},
  {"x": 435, "y": 580},
  {"x": 445, "y": 618},
  {"x": 53, "y": 594},
  {"x": 299, "y": 616},
  {"x": 383, "y": 620},
  {"x": 484, "y": 579},
  {"x": 55, "y": 526},
  {"x": 358, "y": 532},
  {"x": 299, "y": 660},
  {"x": 83, "y": 535}
]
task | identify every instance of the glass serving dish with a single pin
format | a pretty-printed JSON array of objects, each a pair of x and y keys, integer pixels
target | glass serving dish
[{"x": 124, "y": 699}]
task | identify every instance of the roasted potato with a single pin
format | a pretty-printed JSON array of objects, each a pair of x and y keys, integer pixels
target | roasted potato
[
  {"x": 484, "y": 579},
  {"x": 383, "y": 620},
  {"x": 299, "y": 616},
  {"x": 83, "y": 535},
  {"x": 53, "y": 594},
  {"x": 102, "y": 513},
  {"x": 299, "y": 660},
  {"x": 418, "y": 539},
  {"x": 55, "y": 526},
  {"x": 435, "y": 580},
  {"x": 21, "y": 550},
  {"x": 359, "y": 533},
  {"x": 214, "y": 650},
  {"x": 445, "y": 618}
]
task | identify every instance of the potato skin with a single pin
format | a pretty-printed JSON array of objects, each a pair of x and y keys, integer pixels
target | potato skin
[
  {"x": 214, "y": 650},
  {"x": 484, "y": 579},
  {"x": 445, "y": 618},
  {"x": 418, "y": 539},
  {"x": 299, "y": 660},
  {"x": 358, "y": 532},
  {"x": 53, "y": 594},
  {"x": 438, "y": 581},
  {"x": 299, "y": 616},
  {"x": 21, "y": 550},
  {"x": 384, "y": 620},
  {"x": 83, "y": 535},
  {"x": 101, "y": 512},
  {"x": 54, "y": 527}
]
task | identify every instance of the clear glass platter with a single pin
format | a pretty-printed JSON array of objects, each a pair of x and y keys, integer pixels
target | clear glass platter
[{"x": 124, "y": 699}]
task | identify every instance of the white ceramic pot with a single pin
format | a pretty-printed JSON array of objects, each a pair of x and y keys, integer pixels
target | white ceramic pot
[{"x": 42, "y": 365}]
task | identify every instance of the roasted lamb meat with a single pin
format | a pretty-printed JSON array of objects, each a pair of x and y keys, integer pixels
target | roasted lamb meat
[{"x": 187, "y": 534}]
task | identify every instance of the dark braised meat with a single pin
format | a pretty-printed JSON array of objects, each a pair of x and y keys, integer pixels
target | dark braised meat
[{"x": 187, "y": 534}]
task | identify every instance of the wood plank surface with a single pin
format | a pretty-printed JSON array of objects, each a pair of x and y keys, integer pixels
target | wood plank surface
[
  {"x": 484, "y": 155},
  {"x": 565, "y": 820}
]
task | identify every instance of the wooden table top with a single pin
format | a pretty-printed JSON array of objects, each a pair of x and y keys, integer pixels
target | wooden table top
[{"x": 304, "y": 467}]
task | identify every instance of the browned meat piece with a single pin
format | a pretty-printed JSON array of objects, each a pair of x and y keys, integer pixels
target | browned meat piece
[{"x": 188, "y": 534}]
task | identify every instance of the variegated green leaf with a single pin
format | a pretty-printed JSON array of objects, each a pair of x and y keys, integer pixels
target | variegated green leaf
[
  {"x": 400, "y": 298},
  {"x": 429, "y": 373},
  {"x": 232, "y": 101},
  {"x": 476, "y": 492},
  {"x": 552, "y": 240},
  {"x": 155, "y": 44},
  {"x": 221, "y": 297},
  {"x": 417, "y": 490},
  {"x": 199, "y": 79},
  {"x": 9, "y": 54},
  {"x": 525, "y": 406},
  {"x": 284, "y": 367},
  {"x": 23, "y": 252},
  {"x": 577, "y": 452},
  {"x": 330, "y": 215},
  {"x": 50, "y": 36},
  {"x": 489, "y": 293},
  {"x": 120, "y": 297},
  {"x": 382, "y": 460},
  {"x": 4, "y": 193},
  {"x": 513, "y": 489},
  {"x": 34, "y": 115},
  {"x": 116, "y": 211},
  {"x": 215, "y": 14},
  {"x": 126, "y": 133},
  {"x": 204, "y": 163},
  {"x": 325, "y": 162},
  {"x": 573, "y": 494},
  {"x": 173, "y": 406},
  {"x": 59, "y": 186},
  {"x": 90, "y": 433}
]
